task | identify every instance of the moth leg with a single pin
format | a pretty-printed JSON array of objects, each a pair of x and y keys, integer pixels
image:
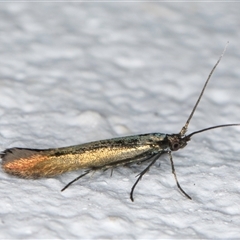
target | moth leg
[
  {"x": 74, "y": 180},
  {"x": 175, "y": 176},
  {"x": 154, "y": 159}
]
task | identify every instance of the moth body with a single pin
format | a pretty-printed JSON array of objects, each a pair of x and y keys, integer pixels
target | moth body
[{"x": 36, "y": 163}]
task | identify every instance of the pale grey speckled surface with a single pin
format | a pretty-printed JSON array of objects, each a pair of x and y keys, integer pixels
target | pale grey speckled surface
[{"x": 76, "y": 72}]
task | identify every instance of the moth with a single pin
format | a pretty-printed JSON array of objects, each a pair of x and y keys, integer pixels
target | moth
[{"x": 103, "y": 154}]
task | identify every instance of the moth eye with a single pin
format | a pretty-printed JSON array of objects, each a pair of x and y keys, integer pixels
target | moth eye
[{"x": 175, "y": 146}]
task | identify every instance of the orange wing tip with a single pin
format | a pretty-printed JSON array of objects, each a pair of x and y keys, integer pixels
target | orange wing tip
[{"x": 22, "y": 162}]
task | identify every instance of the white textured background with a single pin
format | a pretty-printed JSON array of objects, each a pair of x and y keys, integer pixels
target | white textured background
[{"x": 76, "y": 72}]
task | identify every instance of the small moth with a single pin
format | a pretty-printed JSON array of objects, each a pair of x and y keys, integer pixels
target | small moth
[{"x": 103, "y": 154}]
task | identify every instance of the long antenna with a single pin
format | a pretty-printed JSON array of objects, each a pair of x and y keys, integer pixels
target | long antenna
[
  {"x": 185, "y": 127},
  {"x": 210, "y": 128}
]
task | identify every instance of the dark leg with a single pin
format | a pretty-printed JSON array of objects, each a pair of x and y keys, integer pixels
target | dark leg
[
  {"x": 154, "y": 159},
  {"x": 74, "y": 180},
  {"x": 175, "y": 176}
]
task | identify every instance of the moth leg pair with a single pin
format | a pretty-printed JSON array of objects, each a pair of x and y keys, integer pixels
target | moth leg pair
[
  {"x": 175, "y": 176},
  {"x": 77, "y": 178},
  {"x": 84, "y": 174},
  {"x": 94, "y": 169},
  {"x": 140, "y": 175},
  {"x": 154, "y": 159}
]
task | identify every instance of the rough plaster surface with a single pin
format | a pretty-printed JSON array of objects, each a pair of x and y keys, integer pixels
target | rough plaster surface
[{"x": 76, "y": 72}]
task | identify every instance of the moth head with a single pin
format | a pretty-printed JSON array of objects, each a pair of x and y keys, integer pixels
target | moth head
[{"x": 176, "y": 141}]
